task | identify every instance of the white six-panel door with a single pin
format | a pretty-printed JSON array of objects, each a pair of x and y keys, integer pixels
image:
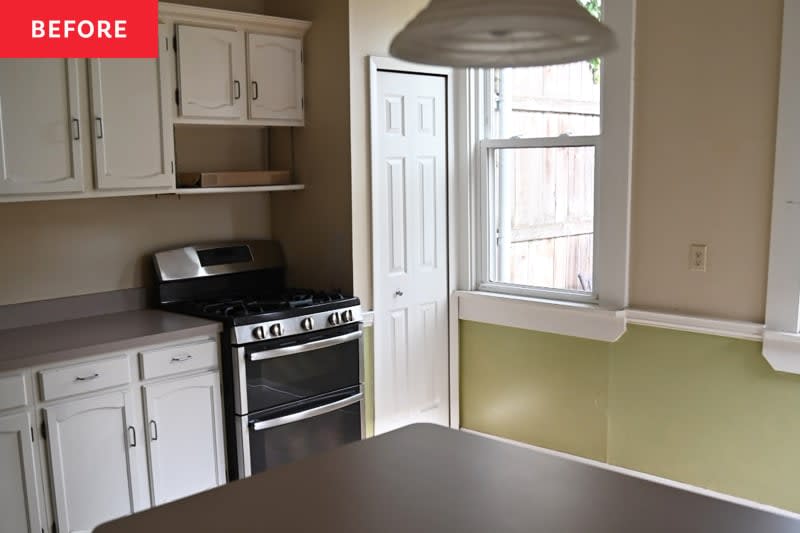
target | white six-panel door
[
  {"x": 19, "y": 496},
  {"x": 41, "y": 136},
  {"x": 184, "y": 437},
  {"x": 275, "y": 67},
  {"x": 133, "y": 139},
  {"x": 95, "y": 449},
  {"x": 410, "y": 249},
  {"x": 211, "y": 70}
]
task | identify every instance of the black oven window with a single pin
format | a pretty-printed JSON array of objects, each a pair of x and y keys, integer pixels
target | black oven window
[{"x": 295, "y": 441}]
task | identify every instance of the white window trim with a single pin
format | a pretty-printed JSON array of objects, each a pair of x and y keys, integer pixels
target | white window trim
[
  {"x": 572, "y": 319},
  {"x": 612, "y": 199},
  {"x": 590, "y": 321},
  {"x": 782, "y": 335}
]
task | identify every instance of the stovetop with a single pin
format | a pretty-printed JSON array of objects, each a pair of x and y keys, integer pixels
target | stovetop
[{"x": 261, "y": 308}]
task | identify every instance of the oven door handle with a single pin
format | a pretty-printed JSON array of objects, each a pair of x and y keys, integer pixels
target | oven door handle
[
  {"x": 310, "y": 413},
  {"x": 307, "y": 347}
]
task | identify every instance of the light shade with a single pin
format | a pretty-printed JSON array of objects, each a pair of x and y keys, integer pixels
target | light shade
[{"x": 502, "y": 33}]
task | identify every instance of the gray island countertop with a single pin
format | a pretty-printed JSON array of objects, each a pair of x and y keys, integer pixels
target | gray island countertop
[
  {"x": 64, "y": 340},
  {"x": 429, "y": 479}
]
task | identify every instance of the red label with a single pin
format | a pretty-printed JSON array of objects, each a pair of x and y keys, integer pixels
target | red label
[{"x": 79, "y": 28}]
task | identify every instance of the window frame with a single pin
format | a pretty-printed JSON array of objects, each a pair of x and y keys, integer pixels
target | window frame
[
  {"x": 782, "y": 329},
  {"x": 487, "y": 264},
  {"x": 613, "y": 168}
]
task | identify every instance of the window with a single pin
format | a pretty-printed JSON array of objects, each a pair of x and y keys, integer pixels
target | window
[{"x": 553, "y": 174}]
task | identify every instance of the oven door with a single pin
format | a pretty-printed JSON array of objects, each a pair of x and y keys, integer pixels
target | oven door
[
  {"x": 284, "y": 371},
  {"x": 276, "y": 437}
]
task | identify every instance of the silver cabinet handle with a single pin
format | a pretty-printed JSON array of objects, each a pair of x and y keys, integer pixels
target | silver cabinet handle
[
  {"x": 132, "y": 436},
  {"x": 255, "y": 90},
  {"x": 99, "y": 124},
  {"x": 311, "y": 413},
  {"x": 153, "y": 430},
  {"x": 180, "y": 358},
  {"x": 307, "y": 347},
  {"x": 237, "y": 90},
  {"x": 87, "y": 378},
  {"x": 76, "y": 129}
]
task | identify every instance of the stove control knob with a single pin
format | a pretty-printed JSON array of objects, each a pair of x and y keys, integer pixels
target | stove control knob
[
  {"x": 276, "y": 330},
  {"x": 259, "y": 333},
  {"x": 334, "y": 319},
  {"x": 347, "y": 316},
  {"x": 307, "y": 324}
]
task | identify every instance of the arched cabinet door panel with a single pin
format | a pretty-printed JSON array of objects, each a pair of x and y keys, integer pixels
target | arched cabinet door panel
[{"x": 41, "y": 132}]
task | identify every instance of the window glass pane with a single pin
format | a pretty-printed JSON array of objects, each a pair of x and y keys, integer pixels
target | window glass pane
[
  {"x": 544, "y": 214},
  {"x": 547, "y": 101}
]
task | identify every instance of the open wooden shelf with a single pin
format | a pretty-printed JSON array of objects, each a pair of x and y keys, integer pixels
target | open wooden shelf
[{"x": 228, "y": 190}]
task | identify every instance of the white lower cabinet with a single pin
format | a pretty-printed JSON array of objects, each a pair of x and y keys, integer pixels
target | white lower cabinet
[
  {"x": 20, "y": 509},
  {"x": 95, "y": 446},
  {"x": 116, "y": 443},
  {"x": 184, "y": 436}
]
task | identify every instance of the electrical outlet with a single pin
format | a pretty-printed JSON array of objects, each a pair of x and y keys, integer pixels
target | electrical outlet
[{"x": 698, "y": 257}]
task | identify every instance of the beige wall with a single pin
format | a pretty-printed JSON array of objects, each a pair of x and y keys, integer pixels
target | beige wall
[
  {"x": 315, "y": 225},
  {"x": 70, "y": 247},
  {"x": 250, "y": 6},
  {"x": 373, "y": 23},
  {"x": 706, "y": 100}
]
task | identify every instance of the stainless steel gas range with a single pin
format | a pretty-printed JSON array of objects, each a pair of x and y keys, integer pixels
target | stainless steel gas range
[{"x": 292, "y": 359}]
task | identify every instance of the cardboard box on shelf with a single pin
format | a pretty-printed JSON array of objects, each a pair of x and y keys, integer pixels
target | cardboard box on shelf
[{"x": 251, "y": 178}]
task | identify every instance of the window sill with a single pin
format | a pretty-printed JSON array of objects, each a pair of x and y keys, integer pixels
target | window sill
[{"x": 588, "y": 321}]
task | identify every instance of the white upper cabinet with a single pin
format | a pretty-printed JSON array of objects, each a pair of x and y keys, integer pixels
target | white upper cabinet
[
  {"x": 211, "y": 72},
  {"x": 133, "y": 138},
  {"x": 19, "y": 497},
  {"x": 221, "y": 79},
  {"x": 95, "y": 451},
  {"x": 184, "y": 437},
  {"x": 41, "y": 134},
  {"x": 275, "y": 68}
]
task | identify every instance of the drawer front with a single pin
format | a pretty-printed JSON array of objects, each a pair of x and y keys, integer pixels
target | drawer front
[
  {"x": 178, "y": 359},
  {"x": 13, "y": 392},
  {"x": 85, "y": 377}
]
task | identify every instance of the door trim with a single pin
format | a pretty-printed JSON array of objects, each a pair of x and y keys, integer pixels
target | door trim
[{"x": 378, "y": 63}]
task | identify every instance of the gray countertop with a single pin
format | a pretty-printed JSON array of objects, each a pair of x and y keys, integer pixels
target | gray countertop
[
  {"x": 71, "y": 339},
  {"x": 430, "y": 479}
]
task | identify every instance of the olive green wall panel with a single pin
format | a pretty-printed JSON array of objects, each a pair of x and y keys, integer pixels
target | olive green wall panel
[
  {"x": 705, "y": 410},
  {"x": 533, "y": 387},
  {"x": 698, "y": 409}
]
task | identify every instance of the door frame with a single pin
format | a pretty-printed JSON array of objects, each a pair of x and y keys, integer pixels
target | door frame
[{"x": 454, "y": 100}]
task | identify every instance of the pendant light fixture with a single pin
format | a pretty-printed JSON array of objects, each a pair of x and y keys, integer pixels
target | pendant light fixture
[{"x": 502, "y": 33}]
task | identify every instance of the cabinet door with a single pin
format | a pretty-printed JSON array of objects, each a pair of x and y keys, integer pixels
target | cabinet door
[
  {"x": 211, "y": 72},
  {"x": 95, "y": 448},
  {"x": 133, "y": 138},
  {"x": 275, "y": 67},
  {"x": 19, "y": 483},
  {"x": 184, "y": 437},
  {"x": 40, "y": 131}
]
